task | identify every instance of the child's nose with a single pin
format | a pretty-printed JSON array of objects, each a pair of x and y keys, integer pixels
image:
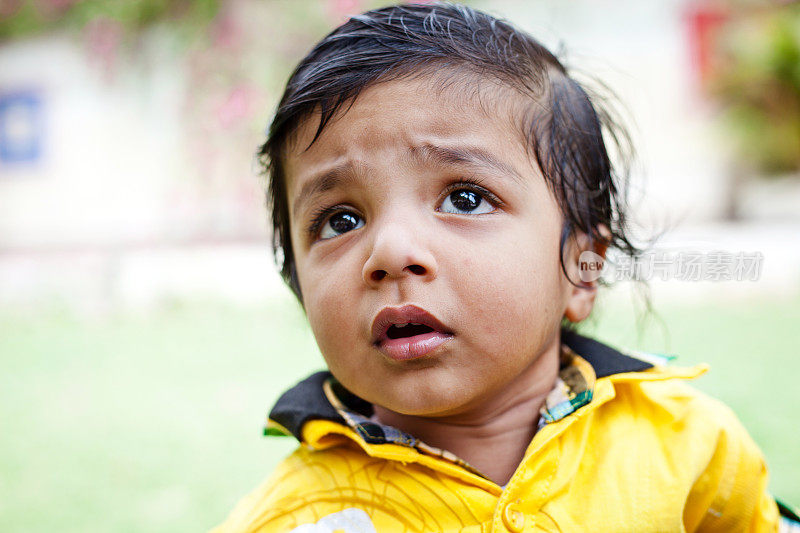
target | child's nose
[{"x": 399, "y": 251}]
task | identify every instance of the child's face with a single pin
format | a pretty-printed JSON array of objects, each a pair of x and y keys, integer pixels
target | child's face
[{"x": 407, "y": 230}]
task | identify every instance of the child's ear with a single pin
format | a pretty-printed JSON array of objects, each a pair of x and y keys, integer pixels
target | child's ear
[{"x": 584, "y": 263}]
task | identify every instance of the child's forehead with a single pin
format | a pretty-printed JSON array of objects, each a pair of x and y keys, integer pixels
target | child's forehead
[{"x": 412, "y": 114}]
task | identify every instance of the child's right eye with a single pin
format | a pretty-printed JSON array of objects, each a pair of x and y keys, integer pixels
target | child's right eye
[{"x": 340, "y": 223}]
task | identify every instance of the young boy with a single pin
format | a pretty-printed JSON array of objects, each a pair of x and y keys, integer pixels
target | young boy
[{"x": 435, "y": 175}]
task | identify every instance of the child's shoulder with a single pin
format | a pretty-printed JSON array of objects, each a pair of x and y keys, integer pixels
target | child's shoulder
[
  {"x": 665, "y": 396},
  {"x": 647, "y": 386},
  {"x": 655, "y": 421},
  {"x": 666, "y": 392}
]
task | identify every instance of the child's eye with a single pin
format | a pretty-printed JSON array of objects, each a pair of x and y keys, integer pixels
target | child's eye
[
  {"x": 466, "y": 201},
  {"x": 339, "y": 223}
]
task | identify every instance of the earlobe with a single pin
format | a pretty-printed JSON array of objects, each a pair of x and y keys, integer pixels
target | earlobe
[{"x": 581, "y": 302}]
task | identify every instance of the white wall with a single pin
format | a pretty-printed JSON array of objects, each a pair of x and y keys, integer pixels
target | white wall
[{"x": 111, "y": 152}]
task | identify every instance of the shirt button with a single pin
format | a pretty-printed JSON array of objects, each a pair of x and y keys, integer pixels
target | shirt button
[{"x": 513, "y": 518}]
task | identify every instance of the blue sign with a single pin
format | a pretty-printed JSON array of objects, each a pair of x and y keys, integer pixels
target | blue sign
[{"x": 21, "y": 127}]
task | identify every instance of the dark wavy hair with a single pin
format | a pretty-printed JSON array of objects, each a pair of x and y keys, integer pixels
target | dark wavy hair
[{"x": 562, "y": 128}]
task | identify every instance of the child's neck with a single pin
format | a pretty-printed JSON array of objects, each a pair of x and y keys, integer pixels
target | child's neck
[{"x": 492, "y": 437}]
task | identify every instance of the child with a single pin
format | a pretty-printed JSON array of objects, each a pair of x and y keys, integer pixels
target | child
[{"x": 435, "y": 175}]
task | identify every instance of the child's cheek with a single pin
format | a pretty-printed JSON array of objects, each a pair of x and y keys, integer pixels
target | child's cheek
[
  {"x": 334, "y": 313},
  {"x": 513, "y": 298}
]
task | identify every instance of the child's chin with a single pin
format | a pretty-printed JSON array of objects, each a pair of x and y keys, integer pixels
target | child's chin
[{"x": 428, "y": 407}]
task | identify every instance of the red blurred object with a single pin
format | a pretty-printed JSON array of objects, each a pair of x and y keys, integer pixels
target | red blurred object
[{"x": 704, "y": 20}]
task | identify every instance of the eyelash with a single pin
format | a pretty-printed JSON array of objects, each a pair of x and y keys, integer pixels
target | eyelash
[
  {"x": 474, "y": 185},
  {"x": 321, "y": 215}
]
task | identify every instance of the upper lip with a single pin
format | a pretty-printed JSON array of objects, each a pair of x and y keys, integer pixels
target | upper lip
[{"x": 389, "y": 316}]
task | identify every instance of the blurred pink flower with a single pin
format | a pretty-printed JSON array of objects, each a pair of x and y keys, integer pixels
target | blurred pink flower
[
  {"x": 9, "y": 7},
  {"x": 236, "y": 106},
  {"x": 340, "y": 10},
  {"x": 103, "y": 39},
  {"x": 52, "y": 9},
  {"x": 226, "y": 32}
]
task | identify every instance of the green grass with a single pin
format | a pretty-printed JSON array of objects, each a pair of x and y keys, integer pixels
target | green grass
[{"x": 152, "y": 422}]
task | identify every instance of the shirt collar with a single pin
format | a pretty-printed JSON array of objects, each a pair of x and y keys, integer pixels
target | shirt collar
[
  {"x": 572, "y": 390},
  {"x": 320, "y": 396}
]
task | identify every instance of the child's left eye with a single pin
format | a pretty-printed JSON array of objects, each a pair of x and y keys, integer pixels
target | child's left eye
[{"x": 466, "y": 201}]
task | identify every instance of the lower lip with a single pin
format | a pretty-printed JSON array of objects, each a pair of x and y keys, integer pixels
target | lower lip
[{"x": 407, "y": 348}]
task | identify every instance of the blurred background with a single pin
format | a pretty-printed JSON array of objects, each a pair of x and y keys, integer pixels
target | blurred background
[{"x": 144, "y": 331}]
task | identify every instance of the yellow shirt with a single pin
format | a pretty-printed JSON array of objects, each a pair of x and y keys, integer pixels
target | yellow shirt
[{"x": 642, "y": 452}]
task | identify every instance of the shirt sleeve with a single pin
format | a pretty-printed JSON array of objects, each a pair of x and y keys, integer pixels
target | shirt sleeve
[{"x": 731, "y": 494}]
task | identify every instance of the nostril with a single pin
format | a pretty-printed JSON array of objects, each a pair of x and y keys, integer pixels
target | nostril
[
  {"x": 378, "y": 274},
  {"x": 416, "y": 269}
]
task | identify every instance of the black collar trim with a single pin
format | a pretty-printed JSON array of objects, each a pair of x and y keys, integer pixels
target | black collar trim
[
  {"x": 306, "y": 400},
  {"x": 605, "y": 359}
]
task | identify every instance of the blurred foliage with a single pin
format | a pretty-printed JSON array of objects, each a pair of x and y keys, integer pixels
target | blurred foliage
[
  {"x": 23, "y": 18},
  {"x": 758, "y": 84}
]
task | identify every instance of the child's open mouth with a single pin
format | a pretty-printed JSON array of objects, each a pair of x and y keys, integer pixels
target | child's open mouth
[
  {"x": 408, "y": 332},
  {"x": 398, "y": 331}
]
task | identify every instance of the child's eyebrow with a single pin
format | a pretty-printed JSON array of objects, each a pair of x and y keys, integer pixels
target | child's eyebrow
[
  {"x": 472, "y": 156},
  {"x": 468, "y": 156},
  {"x": 329, "y": 179}
]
